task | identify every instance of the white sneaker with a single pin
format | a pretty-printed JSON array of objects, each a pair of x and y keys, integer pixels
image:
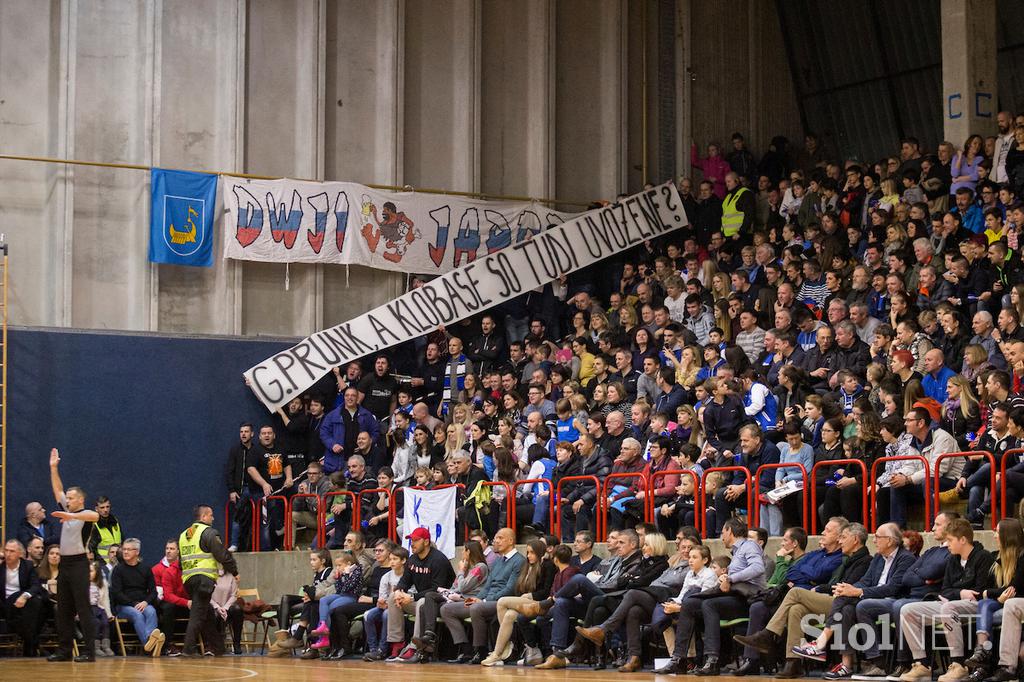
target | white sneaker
[
  {"x": 233, "y": 548},
  {"x": 955, "y": 673},
  {"x": 918, "y": 671}
]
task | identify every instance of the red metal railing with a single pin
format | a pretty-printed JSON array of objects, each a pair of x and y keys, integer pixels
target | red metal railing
[
  {"x": 358, "y": 520},
  {"x": 597, "y": 508},
  {"x": 1002, "y": 482},
  {"x": 698, "y": 518},
  {"x": 551, "y": 499},
  {"x": 814, "y": 488},
  {"x": 254, "y": 524},
  {"x": 319, "y": 527},
  {"x": 605, "y": 505},
  {"x": 325, "y": 507},
  {"x": 992, "y": 478},
  {"x": 803, "y": 506},
  {"x": 927, "y": 487},
  {"x": 286, "y": 539},
  {"x": 702, "y": 501},
  {"x": 510, "y": 501}
]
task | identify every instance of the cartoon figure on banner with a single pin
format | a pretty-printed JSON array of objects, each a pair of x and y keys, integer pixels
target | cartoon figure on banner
[{"x": 397, "y": 229}]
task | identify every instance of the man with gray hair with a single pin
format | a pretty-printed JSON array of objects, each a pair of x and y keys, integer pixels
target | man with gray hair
[
  {"x": 622, "y": 502},
  {"x": 133, "y": 596},
  {"x": 924, "y": 256},
  {"x": 466, "y": 511},
  {"x": 852, "y": 353},
  {"x": 22, "y": 598},
  {"x": 982, "y": 325},
  {"x": 931, "y": 290},
  {"x": 864, "y": 323},
  {"x": 800, "y": 602}
]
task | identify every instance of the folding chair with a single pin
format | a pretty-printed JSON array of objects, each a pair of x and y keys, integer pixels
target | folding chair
[{"x": 264, "y": 619}]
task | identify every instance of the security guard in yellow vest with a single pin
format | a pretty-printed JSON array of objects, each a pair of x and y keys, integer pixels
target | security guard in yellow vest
[
  {"x": 738, "y": 208},
  {"x": 202, "y": 556},
  {"x": 108, "y": 530}
]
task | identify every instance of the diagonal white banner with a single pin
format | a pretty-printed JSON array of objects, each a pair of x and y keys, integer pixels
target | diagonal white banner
[{"x": 470, "y": 289}]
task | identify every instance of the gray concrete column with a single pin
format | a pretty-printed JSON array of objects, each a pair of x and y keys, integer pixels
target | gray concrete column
[{"x": 968, "y": 68}]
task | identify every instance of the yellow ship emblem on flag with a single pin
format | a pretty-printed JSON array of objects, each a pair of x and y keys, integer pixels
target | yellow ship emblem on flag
[{"x": 184, "y": 236}]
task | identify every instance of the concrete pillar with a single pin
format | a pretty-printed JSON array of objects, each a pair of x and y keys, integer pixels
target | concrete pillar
[{"x": 968, "y": 68}]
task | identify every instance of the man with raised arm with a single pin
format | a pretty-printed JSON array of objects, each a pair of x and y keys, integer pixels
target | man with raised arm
[{"x": 73, "y": 579}]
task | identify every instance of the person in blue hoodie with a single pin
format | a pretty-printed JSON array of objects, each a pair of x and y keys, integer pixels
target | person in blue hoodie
[
  {"x": 759, "y": 403},
  {"x": 923, "y": 576}
]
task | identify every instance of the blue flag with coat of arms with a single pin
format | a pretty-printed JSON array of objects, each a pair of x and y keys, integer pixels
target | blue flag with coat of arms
[{"x": 181, "y": 217}]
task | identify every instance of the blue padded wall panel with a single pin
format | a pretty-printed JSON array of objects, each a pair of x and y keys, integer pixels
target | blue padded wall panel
[{"x": 145, "y": 419}]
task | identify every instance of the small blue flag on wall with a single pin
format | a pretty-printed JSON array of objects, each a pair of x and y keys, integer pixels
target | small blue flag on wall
[{"x": 181, "y": 217}]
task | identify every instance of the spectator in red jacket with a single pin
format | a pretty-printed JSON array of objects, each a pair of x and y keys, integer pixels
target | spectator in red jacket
[{"x": 173, "y": 601}]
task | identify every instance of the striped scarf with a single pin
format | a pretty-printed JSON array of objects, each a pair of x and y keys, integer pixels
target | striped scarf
[{"x": 459, "y": 366}]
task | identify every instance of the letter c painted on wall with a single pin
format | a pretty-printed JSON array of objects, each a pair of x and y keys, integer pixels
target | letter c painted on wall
[{"x": 958, "y": 99}]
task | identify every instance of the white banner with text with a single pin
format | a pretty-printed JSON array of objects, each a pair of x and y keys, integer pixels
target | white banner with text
[
  {"x": 289, "y": 221},
  {"x": 471, "y": 289}
]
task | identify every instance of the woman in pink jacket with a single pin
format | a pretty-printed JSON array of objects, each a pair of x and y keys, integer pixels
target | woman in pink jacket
[{"x": 714, "y": 167}]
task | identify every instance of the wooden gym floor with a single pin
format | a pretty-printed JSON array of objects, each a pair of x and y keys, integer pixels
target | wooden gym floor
[{"x": 292, "y": 670}]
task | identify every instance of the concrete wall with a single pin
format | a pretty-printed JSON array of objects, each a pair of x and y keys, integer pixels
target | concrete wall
[{"x": 538, "y": 98}]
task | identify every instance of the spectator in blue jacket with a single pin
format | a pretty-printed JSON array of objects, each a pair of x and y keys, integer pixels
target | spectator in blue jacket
[
  {"x": 936, "y": 375},
  {"x": 341, "y": 426},
  {"x": 920, "y": 578}
]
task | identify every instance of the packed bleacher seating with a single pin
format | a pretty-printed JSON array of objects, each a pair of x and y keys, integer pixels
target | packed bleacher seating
[{"x": 831, "y": 347}]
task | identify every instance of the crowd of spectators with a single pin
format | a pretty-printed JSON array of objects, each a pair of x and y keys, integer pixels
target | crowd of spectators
[
  {"x": 151, "y": 600},
  {"x": 817, "y": 312}
]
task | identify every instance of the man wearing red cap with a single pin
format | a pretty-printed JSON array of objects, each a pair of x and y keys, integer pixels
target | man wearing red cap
[{"x": 417, "y": 593}]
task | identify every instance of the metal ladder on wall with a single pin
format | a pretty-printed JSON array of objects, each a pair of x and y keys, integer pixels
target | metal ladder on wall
[{"x": 3, "y": 387}]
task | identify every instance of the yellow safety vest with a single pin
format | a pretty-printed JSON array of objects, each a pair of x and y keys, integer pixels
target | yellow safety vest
[
  {"x": 108, "y": 536},
  {"x": 194, "y": 561},
  {"x": 732, "y": 218}
]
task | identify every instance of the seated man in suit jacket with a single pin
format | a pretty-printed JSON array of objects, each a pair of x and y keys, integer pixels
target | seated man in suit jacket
[
  {"x": 882, "y": 581},
  {"x": 23, "y": 603}
]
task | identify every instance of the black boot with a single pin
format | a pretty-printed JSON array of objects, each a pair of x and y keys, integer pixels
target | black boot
[
  {"x": 764, "y": 641},
  {"x": 1002, "y": 674},
  {"x": 747, "y": 666},
  {"x": 676, "y": 666},
  {"x": 480, "y": 655},
  {"x": 792, "y": 670},
  {"x": 981, "y": 658},
  {"x": 709, "y": 668},
  {"x": 465, "y": 654}
]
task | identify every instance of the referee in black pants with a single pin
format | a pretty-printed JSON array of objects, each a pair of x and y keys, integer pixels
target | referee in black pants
[{"x": 77, "y": 524}]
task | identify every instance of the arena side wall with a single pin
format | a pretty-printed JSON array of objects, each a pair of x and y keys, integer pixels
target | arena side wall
[{"x": 142, "y": 418}]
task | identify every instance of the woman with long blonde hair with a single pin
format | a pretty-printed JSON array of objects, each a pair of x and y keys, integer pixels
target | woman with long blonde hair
[
  {"x": 721, "y": 287},
  {"x": 708, "y": 270},
  {"x": 687, "y": 366},
  {"x": 1008, "y": 575}
]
